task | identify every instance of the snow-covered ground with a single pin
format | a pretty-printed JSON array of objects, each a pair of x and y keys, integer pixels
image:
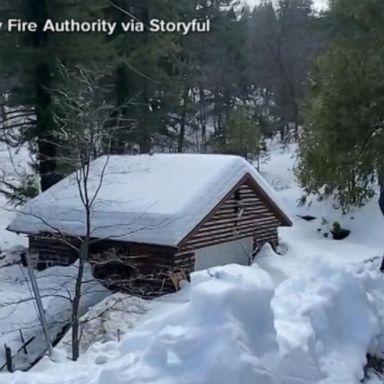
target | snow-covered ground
[
  {"x": 310, "y": 315},
  {"x": 17, "y": 308},
  {"x": 12, "y": 163},
  {"x": 109, "y": 320}
]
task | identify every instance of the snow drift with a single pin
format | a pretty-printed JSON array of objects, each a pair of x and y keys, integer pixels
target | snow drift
[
  {"x": 232, "y": 326},
  {"x": 325, "y": 325}
]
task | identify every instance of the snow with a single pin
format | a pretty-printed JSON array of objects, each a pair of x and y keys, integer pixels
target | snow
[
  {"x": 152, "y": 199},
  {"x": 108, "y": 320},
  {"x": 169, "y": 347},
  {"x": 234, "y": 325},
  {"x": 319, "y": 5},
  {"x": 308, "y": 315},
  {"x": 12, "y": 164},
  {"x": 365, "y": 223},
  {"x": 18, "y": 309},
  {"x": 324, "y": 317}
]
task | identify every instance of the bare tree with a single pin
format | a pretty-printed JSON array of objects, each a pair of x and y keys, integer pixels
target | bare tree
[{"x": 87, "y": 125}]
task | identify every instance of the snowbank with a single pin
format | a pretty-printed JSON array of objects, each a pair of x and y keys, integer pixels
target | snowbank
[
  {"x": 325, "y": 325},
  {"x": 223, "y": 334},
  {"x": 232, "y": 326},
  {"x": 221, "y": 331}
]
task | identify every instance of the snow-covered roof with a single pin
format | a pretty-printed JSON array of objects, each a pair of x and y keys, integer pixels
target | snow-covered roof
[{"x": 152, "y": 199}]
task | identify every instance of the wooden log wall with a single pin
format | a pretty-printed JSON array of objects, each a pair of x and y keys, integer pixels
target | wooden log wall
[
  {"x": 243, "y": 214},
  {"x": 51, "y": 251},
  {"x": 143, "y": 270},
  {"x": 136, "y": 269}
]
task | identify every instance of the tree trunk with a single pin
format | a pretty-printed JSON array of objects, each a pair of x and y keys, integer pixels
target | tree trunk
[
  {"x": 382, "y": 266},
  {"x": 44, "y": 126},
  {"x": 203, "y": 119},
  {"x": 381, "y": 199},
  {"x": 144, "y": 134},
  {"x": 76, "y": 302},
  {"x": 83, "y": 257},
  {"x": 119, "y": 140},
  {"x": 43, "y": 101},
  {"x": 227, "y": 110},
  {"x": 183, "y": 122}
]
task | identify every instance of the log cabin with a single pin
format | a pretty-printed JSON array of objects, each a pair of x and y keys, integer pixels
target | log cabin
[{"x": 155, "y": 217}]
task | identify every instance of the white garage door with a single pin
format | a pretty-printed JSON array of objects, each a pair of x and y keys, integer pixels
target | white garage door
[{"x": 238, "y": 252}]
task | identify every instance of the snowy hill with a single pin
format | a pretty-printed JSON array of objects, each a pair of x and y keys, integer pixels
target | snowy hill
[
  {"x": 234, "y": 325},
  {"x": 309, "y": 315}
]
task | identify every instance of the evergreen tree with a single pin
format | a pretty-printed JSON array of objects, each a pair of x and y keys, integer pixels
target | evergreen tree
[
  {"x": 196, "y": 70},
  {"x": 283, "y": 40},
  {"x": 341, "y": 146},
  {"x": 169, "y": 76},
  {"x": 243, "y": 134},
  {"x": 143, "y": 73},
  {"x": 31, "y": 59}
]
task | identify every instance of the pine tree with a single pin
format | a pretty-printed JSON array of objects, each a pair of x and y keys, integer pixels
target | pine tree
[
  {"x": 142, "y": 75},
  {"x": 31, "y": 59},
  {"x": 284, "y": 40},
  {"x": 169, "y": 75},
  {"x": 341, "y": 147},
  {"x": 243, "y": 134}
]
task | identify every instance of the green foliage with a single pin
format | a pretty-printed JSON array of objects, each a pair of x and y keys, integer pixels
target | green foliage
[
  {"x": 23, "y": 53},
  {"x": 30, "y": 61},
  {"x": 341, "y": 145},
  {"x": 242, "y": 134},
  {"x": 162, "y": 73},
  {"x": 182, "y": 91},
  {"x": 338, "y": 232},
  {"x": 336, "y": 227},
  {"x": 284, "y": 40}
]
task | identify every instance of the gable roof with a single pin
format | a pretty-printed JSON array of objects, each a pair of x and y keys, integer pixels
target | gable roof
[{"x": 151, "y": 199}]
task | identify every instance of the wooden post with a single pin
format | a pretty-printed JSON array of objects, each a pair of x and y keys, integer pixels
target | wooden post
[
  {"x": 8, "y": 357},
  {"x": 23, "y": 341},
  {"x": 40, "y": 307},
  {"x": 23, "y": 257}
]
